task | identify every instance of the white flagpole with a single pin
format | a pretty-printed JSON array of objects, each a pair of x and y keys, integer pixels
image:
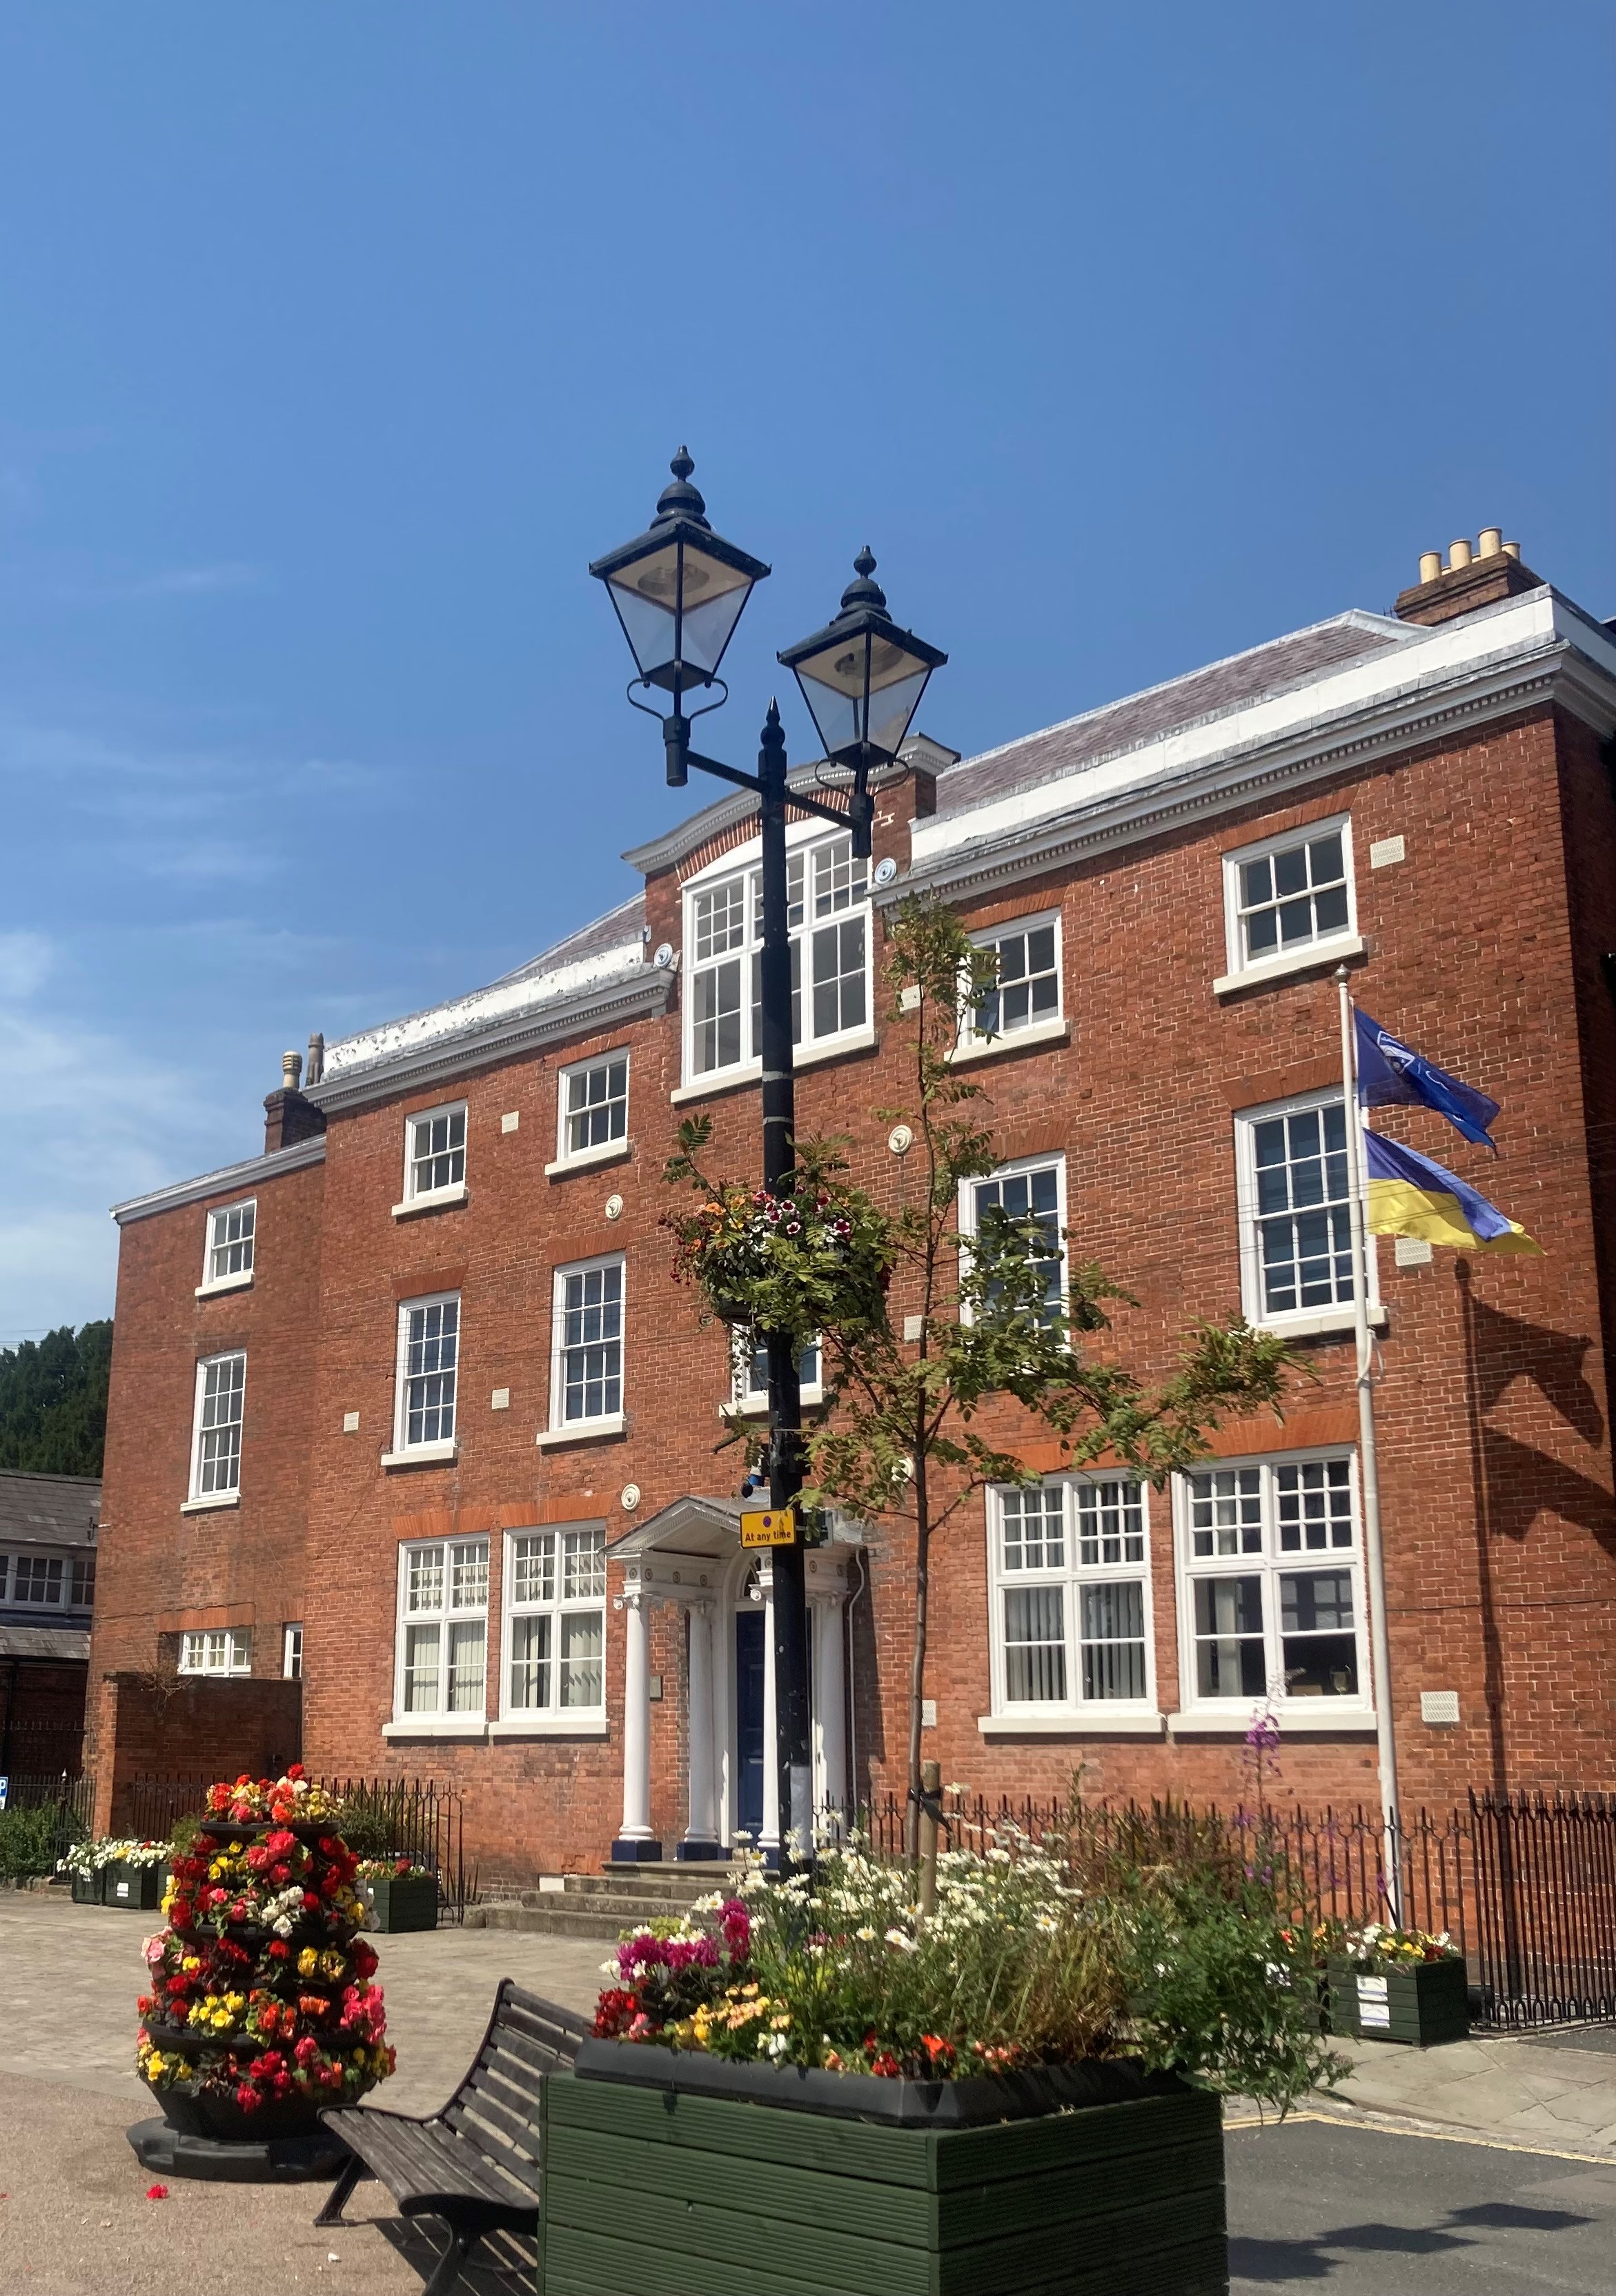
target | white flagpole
[{"x": 1369, "y": 1483}]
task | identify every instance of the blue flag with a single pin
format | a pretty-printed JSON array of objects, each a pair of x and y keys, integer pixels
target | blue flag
[{"x": 1390, "y": 1073}]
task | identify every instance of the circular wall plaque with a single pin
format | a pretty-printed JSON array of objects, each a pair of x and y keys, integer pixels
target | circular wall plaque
[
  {"x": 630, "y": 1498},
  {"x": 885, "y": 871},
  {"x": 614, "y": 1208},
  {"x": 663, "y": 956},
  {"x": 900, "y": 1140}
]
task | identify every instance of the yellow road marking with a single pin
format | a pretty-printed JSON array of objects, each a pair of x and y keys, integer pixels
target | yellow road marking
[{"x": 1386, "y": 2124}]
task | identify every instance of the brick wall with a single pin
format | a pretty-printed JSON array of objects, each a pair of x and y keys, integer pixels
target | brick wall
[
  {"x": 160, "y": 1570},
  {"x": 1483, "y": 949},
  {"x": 182, "y": 1728}
]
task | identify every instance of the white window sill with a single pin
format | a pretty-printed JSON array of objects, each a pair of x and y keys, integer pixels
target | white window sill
[
  {"x": 1318, "y": 1321},
  {"x": 438, "y": 1725},
  {"x": 756, "y": 1406},
  {"x": 441, "y": 1199},
  {"x": 1074, "y": 1722},
  {"x": 213, "y": 1499},
  {"x": 1343, "y": 1716},
  {"x": 803, "y": 1056},
  {"x": 224, "y": 1283},
  {"x": 582, "y": 1724},
  {"x": 214, "y": 1673},
  {"x": 991, "y": 1048},
  {"x": 423, "y": 1454},
  {"x": 1294, "y": 961},
  {"x": 583, "y": 1430},
  {"x": 611, "y": 1151}
]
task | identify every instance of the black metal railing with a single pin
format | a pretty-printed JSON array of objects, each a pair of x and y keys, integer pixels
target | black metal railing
[
  {"x": 1525, "y": 1885},
  {"x": 418, "y": 1818}
]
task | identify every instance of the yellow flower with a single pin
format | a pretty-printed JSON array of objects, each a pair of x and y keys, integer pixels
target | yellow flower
[{"x": 309, "y": 1961}]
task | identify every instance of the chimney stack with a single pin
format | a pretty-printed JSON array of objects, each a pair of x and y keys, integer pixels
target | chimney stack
[
  {"x": 288, "y": 1116},
  {"x": 1478, "y": 577}
]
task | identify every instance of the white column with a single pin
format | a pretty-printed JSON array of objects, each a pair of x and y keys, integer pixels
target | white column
[
  {"x": 636, "y": 1721},
  {"x": 830, "y": 1710},
  {"x": 701, "y": 1832},
  {"x": 769, "y": 1839}
]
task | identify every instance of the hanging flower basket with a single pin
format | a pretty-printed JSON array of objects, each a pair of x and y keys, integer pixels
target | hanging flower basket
[{"x": 808, "y": 1259}]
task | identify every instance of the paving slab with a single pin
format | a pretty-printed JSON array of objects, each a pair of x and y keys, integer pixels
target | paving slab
[{"x": 1508, "y": 2086}]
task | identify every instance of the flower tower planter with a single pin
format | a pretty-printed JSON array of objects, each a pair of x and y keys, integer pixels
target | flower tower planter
[{"x": 261, "y": 2008}]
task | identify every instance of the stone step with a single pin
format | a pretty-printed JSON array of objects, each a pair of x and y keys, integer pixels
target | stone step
[
  {"x": 625, "y": 1909},
  {"x": 552, "y": 1917}
]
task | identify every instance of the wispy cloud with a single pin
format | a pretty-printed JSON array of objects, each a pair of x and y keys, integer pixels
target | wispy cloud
[
  {"x": 26, "y": 958},
  {"x": 217, "y": 579}
]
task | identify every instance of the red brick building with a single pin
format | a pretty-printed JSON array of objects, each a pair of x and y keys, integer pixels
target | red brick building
[{"x": 408, "y": 1409}]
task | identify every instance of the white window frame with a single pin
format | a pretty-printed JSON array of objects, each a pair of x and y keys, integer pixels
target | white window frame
[
  {"x": 1009, "y": 1716},
  {"x": 1048, "y": 1026},
  {"x": 454, "y": 1191},
  {"x": 239, "y": 1279},
  {"x": 753, "y": 1401},
  {"x": 230, "y": 1646},
  {"x": 1270, "y": 1563},
  {"x": 805, "y": 841},
  {"x": 440, "y": 1721},
  {"x": 1011, "y": 1170},
  {"x": 222, "y": 1495},
  {"x": 1299, "y": 1321},
  {"x": 1344, "y": 941},
  {"x": 562, "y": 1430},
  {"x": 28, "y": 1560},
  {"x": 603, "y": 1151},
  {"x": 551, "y": 1720},
  {"x": 291, "y": 1651},
  {"x": 405, "y": 1452}
]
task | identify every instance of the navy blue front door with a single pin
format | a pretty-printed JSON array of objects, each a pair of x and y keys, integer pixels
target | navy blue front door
[{"x": 749, "y": 1720}]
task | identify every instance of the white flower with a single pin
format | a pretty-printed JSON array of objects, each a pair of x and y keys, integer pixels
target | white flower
[
  {"x": 866, "y": 1935},
  {"x": 896, "y": 1938}
]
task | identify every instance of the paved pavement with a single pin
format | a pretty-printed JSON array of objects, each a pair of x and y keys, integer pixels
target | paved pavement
[
  {"x": 1359, "y": 2211},
  {"x": 1556, "y": 2090}
]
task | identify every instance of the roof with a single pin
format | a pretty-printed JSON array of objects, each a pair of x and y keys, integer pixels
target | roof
[
  {"x": 229, "y": 1179},
  {"x": 1194, "y": 698},
  {"x": 44, "y": 1642},
  {"x": 59, "y": 1510},
  {"x": 615, "y": 930}
]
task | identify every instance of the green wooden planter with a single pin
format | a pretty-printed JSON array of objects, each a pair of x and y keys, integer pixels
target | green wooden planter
[
  {"x": 86, "y": 1887},
  {"x": 407, "y": 1901},
  {"x": 1423, "y": 2003},
  {"x": 137, "y": 1889},
  {"x": 687, "y": 2194}
]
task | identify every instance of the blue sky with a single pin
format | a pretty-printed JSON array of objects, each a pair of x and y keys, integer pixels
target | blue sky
[{"x": 335, "y": 340}]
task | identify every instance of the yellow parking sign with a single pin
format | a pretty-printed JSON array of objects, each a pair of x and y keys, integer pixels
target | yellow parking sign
[{"x": 777, "y": 1528}]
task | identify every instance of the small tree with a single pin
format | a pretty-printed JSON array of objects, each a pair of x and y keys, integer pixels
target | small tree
[{"x": 898, "y": 1441}]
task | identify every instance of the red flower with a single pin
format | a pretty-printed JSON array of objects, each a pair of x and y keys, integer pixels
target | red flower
[
  {"x": 157, "y": 2191},
  {"x": 247, "y": 2097},
  {"x": 279, "y": 1842},
  {"x": 279, "y": 1950},
  {"x": 297, "y": 1771},
  {"x": 887, "y": 2066},
  {"x": 364, "y": 1958},
  {"x": 311, "y": 1904}
]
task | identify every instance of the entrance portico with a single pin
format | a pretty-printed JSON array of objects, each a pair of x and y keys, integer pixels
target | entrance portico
[{"x": 689, "y": 1558}]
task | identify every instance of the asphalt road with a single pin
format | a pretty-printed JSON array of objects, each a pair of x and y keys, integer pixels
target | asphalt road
[{"x": 1319, "y": 2207}]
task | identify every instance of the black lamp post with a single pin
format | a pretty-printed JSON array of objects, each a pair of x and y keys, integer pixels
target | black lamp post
[{"x": 678, "y": 590}]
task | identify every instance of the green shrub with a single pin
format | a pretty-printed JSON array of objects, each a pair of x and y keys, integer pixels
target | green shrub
[{"x": 31, "y": 1841}]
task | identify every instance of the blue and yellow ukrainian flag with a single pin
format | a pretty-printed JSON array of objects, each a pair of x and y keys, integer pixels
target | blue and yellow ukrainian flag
[{"x": 1409, "y": 1195}]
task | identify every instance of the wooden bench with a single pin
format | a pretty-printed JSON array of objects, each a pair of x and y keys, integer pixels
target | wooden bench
[{"x": 475, "y": 2163}]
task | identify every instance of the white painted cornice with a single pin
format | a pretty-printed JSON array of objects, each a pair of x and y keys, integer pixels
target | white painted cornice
[
  {"x": 477, "y": 1040},
  {"x": 231, "y": 1179},
  {"x": 1537, "y": 648}
]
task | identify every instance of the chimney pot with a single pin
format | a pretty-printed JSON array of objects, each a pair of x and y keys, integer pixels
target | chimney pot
[
  {"x": 1490, "y": 542},
  {"x": 1511, "y": 550},
  {"x": 291, "y": 1070},
  {"x": 1430, "y": 565},
  {"x": 316, "y": 1058},
  {"x": 1459, "y": 555}
]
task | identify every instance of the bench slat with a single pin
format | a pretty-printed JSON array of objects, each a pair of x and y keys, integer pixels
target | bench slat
[{"x": 513, "y": 2126}]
